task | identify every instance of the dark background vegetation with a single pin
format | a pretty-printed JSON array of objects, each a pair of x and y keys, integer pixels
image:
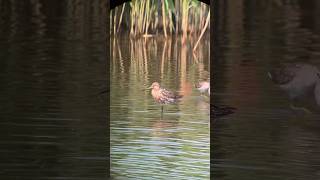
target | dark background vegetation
[{"x": 53, "y": 64}]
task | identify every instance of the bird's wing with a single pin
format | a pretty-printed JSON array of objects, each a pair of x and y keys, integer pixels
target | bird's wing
[
  {"x": 166, "y": 93},
  {"x": 284, "y": 74}
]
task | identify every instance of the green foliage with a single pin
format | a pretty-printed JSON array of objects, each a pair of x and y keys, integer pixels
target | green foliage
[{"x": 160, "y": 16}]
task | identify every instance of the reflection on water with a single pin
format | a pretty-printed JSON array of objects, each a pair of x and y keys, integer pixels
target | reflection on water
[
  {"x": 145, "y": 144},
  {"x": 52, "y": 65},
  {"x": 274, "y": 133}
]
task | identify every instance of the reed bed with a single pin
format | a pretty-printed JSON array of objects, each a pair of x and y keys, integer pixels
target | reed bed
[{"x": 149, "y": 17}]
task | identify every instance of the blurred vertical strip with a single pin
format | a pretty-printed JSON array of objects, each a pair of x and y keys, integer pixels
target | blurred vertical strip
[
  {"x": 213, "y": 54},
  {"x": 108, "y": 58}
]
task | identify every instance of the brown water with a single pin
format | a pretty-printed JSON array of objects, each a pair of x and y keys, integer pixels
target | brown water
[
  {"x": 52, "y": 67},
  {"x": 144, "y": 143},
  {"x": 274, "y": 134}
]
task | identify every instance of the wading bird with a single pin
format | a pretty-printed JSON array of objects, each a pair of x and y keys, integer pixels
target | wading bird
[
  {"x": 163, "y": 96},
  {"x": 203, "y": 86},
  {"x": 301, "y": 81}
]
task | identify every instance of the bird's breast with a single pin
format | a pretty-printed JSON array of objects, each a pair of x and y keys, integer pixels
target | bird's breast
[{"x": 155, "y": 94}]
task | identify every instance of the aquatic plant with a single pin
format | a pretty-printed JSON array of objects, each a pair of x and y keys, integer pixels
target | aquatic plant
[{"x": 144, "y": 18}]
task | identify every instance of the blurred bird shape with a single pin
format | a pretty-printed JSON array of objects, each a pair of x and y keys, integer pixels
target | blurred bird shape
[
  {"x": 218, "y": 111},
  {"x": 203, "y": 86},
  {"x": 295, "y": 78},
  {"x": 301, "y": 81}
]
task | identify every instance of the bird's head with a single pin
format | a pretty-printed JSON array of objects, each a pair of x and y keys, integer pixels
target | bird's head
[
  {"x": 202, "y": 85},
  {"x": 155, "y": 86}
]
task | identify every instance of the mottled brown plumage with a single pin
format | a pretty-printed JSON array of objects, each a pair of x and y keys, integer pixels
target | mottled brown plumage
[{"x": 163, "y": 96}]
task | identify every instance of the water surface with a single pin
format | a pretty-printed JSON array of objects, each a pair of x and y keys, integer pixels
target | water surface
[
  {"x": 274, "y": 134},
  {"x": 52, "y": 67},
  {"x": 144, "y": 143}
]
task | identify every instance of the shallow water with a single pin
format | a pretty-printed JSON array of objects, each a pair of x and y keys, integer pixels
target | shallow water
[
  {"x": 144, "y": 143},
  {"x": 52, "y": 64},
  {"x": 274, "y": 133}
]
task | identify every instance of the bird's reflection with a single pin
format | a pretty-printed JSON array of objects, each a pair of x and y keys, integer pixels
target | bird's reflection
[
  {"x": 300, "y": 81},
  {"x": 203, "y": 102},
  {"x": 161, "y": 125}
]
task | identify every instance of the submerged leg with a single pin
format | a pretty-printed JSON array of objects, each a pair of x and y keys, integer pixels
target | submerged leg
[{"x": 161, "y": 113}]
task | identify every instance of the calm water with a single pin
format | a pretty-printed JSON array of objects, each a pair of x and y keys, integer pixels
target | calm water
[
  {"x": 275, "y": 132},
  {"x": 52, "y": 66},
  {"x": 145, "y": 144}
]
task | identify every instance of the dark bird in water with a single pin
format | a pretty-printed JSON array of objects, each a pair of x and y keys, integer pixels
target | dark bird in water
[
  {"x": 301, "y": 81},
  {"x": 217, "y": 111},
  {"x": 295, "y": 78},
  {"x": 163, "y": 96}
]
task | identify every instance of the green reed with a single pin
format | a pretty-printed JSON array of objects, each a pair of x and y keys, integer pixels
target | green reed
[{"x": 149, "y": 17}]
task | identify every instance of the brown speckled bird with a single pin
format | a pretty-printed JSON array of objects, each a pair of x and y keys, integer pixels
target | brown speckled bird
[{"x": 163, "y": 96}]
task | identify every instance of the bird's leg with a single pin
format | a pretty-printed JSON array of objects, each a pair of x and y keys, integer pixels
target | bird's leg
[{"x": 161, "y": 109}]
